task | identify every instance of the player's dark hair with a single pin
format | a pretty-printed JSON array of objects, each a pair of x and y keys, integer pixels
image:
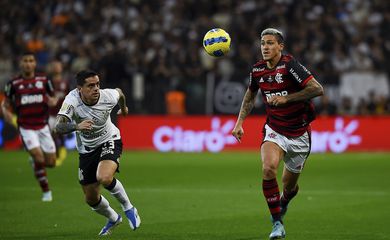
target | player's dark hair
[
  {"x": 27, "y": 53},
  {"x": 84, "y": 74},
  {"x": 275, "y": 32}
]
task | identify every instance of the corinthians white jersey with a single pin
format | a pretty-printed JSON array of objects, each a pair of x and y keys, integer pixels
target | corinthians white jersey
[{"x": 103, "y": 129}]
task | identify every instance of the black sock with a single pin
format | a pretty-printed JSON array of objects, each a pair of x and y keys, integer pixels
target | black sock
[{"x": 112, "y": 185}]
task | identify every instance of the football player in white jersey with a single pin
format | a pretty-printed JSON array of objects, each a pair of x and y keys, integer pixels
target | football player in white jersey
[{"x": 86, "y": 110}]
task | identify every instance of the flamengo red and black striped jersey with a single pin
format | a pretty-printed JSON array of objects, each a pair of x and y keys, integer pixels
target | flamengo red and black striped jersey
[
  {"x": 29, "y": 100},
  {"x": 288, "y": 76}
]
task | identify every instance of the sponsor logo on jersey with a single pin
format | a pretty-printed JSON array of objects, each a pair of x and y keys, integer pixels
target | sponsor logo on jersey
[
  {"x": 261, "y": 79},
  {"x": 279, "y": 78},
  {"x": 93, "y": 135},
  {"x": 281, "y": 66},
  {"x": 21, "y": 86},
  {"x": 28, "y": 99},
  {"x": 295, "y": 75},
  {"x": 282, "y": 93},
  {"x": 39, "y": 84},
  {"x": 258, "y": 69}
]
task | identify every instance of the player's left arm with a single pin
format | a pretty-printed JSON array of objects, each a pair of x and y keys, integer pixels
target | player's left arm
[
  {"x": 52, "y": 100},
  {"x": 122, "y": 103},
  {"x": 312, "y": 89}
]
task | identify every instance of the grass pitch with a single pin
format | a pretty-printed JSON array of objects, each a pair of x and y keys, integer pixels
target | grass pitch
[{"x": 202, "y": 196}]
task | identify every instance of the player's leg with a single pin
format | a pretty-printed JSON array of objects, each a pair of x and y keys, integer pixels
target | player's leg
[
  {"x": 290, "y": 188},
  {"x": 105, "y": 176},
  {"x": 48, "y": 146},
  {"x": 271, "y": 154},
  {"x": 273, "y": 150},
  {"x": 109, "y": 164},
  {"x": 100, "y": 205},
  {"x": 39, "y": 168},
  {"x": 30, "y": 140},
  {"x": 298, "y": 152}
]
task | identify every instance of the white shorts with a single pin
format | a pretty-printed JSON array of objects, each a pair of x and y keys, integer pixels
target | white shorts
[
  {"x": 38, "y": 138},
  {"x": 296, "y": 149}
]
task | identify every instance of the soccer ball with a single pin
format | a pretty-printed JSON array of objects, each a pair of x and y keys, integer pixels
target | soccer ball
[{"x": 216, "y": 42}]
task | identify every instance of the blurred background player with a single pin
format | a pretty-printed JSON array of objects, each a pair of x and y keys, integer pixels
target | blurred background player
[
  {"x": 286, "y": 88},
  {"x": 30, "y": 95},
  {"x": 61, "y": 89},
  {"x": 86, "y": 110}
]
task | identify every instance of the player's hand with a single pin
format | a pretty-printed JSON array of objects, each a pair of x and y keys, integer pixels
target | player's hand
[
  {"x": 85, "y": 125},
  {"x": 123, "y": 112},
  {"x": 238, "y": 132},
  {"x": 277, "y": 100},
  {"x": 52, "y": 101}
]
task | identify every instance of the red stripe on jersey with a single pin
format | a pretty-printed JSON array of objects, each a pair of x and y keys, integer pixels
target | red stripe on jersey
[
  {"x": 29, "y": 98},
  {"x": 307, "y": 80}
]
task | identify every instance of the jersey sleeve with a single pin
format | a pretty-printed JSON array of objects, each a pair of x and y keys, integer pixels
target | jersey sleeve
[
  {"x": 113, "y": 95},
  {"x": 299, "y": 72},
  {"x": 253, "y": 86},
  {"x": 67, "y": 108}
]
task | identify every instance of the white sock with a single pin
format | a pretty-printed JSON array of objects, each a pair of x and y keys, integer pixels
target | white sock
[
  {"x": 103, "y": 208},
  {"x": 120, "y": 194}
]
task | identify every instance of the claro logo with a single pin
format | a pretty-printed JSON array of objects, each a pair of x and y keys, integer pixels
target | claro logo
[
  {"x": 167, "y": 138},
  {"x": 338, "y": 140}
]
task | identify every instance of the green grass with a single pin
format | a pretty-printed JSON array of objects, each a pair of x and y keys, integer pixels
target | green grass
[{"x": 202, "y": 196}]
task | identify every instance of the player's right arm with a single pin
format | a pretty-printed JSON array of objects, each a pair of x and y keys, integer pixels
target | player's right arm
[
  {"x": 64, "y": 125},
  {"x": 246, "y": 107},
  {"x": 7, "y": 114}
]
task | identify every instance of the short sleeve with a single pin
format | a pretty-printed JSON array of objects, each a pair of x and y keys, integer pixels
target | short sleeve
[
  {"x": 67, "y": 109},
  {"x": 299, "y": 72},
  {"x": 113, "y": 95}
]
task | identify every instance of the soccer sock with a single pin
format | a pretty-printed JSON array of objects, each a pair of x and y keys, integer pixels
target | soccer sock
[
  {"x": 103, "y": 208},
  {"x": 272, "y": 196},
  {"x": 40, "y": 175},
  {"x": 118, "y": 191},
  {"x": 287, "y": 196}
]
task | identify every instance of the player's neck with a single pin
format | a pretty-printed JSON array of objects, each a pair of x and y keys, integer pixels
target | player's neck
[
  {"x": 274, "y": 61},
  {"x": 86, "y": 102},
  {"x": 28, "y": 74}
]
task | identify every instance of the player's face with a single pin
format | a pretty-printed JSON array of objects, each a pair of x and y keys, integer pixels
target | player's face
[
  {"x": 28, "y": 64},
  {"x": 270, "y": 48},
  {"x": 90, "y": 90}
]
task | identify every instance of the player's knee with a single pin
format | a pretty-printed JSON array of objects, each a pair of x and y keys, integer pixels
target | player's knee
[
  {"x": 50, "y": 161},
  {"x": 104, "y": 179},
  {"x": 269, "y": 171},
  {"x": 92, "y": 199},
  {"x": 38, "y": 157}
]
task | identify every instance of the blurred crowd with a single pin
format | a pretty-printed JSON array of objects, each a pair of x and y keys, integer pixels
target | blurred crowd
[{"x": 159, "y": 43}]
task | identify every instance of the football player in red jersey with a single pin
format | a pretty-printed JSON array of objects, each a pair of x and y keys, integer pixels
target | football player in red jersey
[
  {"x": 29, "y": 97},
  {"x": 287, "y": 88}
]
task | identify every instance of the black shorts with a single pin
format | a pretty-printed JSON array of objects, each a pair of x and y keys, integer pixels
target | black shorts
[{"x": 88, "y": 162}]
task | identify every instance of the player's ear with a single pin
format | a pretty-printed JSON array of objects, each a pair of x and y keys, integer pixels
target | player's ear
[{"x": 281, "y": 46}]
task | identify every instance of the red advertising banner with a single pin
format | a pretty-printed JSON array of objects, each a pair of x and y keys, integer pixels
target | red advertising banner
[{"x": 212, "y": 133}]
